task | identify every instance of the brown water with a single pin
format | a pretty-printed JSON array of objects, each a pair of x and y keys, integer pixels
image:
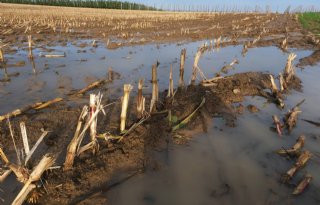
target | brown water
[{"x": 223, "y": 166}]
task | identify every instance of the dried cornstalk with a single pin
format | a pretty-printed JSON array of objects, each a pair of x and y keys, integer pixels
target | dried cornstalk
[
  {"x": 2, "y": 59},
  {"x": 195, "y": 64},
  {"x": 48, "y": 103},
  {"x": 225, "y": 68},
  {"x": 196, "y": 67},
  {"x": 87, "y": 147},
  {"x": 301, "y": 162},
  {"x": 23, "y": 196},
  {"x": 99, "y": 108},
  {"x": 4, "y": 156},
  {"x": 244, "y": 49},
  {"x": 46, "y": 162},
  {"x": 289, "y": 71},
  {"x": 217, "y": 42},
  {"x": 274, "y": 87},
  {"x": 24, "y": 138},
  {"x": 36, "y": 106},
  {"x": 94, "y": 44},
  {"x": 278, "y": 124},
  {"x": 291, "y": 118},
  {"x": 30, "y": 46},
  {"x": 155, "y": 89},
  {"x": 18, "y": 111},
  {"x": 35, "y": 146},
  {"x": 296, "y": 148},
  {"x": 302, "y": 185},
  {"x": 300, "y": 143},
  {"x": 303, "y": 159},
  {"x": 21, "y": 172},
  {"x": 170, "y": 89},
  {"x": 255, "y": 40},
  {"x": 93, "y": 126},
  {"x": 283, "y": 84},
  {"x": 289, "y": 174},
  {"x": 54, "y": 55},
  {"x": 235, "y": 61},
  {"x": 72, "y": 147},
  {"x": 182, "y": 63},
  {"x": 5, "y": 175},
  {"x": 140, "y": 100},
  {"x": 89, "y": 87},
  {"x": 125, "y": 102},
  {"x": 284, "y": 44},
  {"x": 276, "y": 95},
  {"x": 212, "y": 80}
]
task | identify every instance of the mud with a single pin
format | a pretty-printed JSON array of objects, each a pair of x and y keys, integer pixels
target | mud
[{"x": 311, "y": 60}]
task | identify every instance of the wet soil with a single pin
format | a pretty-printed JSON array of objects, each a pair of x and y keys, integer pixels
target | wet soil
[{"x": 140, "y": 151}]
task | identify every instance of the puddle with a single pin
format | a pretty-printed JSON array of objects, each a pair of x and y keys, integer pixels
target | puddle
[{"x": 223, "y": 166}]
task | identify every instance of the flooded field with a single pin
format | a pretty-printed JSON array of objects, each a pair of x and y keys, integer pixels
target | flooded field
[
  {"x": 56, "y": 77},
  {"x": 223, "y": 165},
  {"x": 225, "y": 127}
]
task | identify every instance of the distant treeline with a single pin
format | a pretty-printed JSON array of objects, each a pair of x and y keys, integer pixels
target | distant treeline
[{"x": 106, "y": 4}]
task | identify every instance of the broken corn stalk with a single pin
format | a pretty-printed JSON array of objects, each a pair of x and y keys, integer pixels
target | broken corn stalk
[
  {"x": 295, "y": 150},
  {"x": 125, "y": 102},
  {"x": 302, "y": 185}
]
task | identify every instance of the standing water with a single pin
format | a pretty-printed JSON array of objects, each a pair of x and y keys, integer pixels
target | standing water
[{"x": 222, "y": 166}]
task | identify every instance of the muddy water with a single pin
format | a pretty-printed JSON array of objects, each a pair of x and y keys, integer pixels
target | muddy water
[{"x": 223, "y": 166}]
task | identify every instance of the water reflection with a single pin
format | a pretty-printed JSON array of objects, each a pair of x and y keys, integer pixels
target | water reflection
[{"x": 33, "y": 66}]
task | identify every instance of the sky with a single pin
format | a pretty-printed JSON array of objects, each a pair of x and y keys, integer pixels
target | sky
[{"x": 275, "y": 5}]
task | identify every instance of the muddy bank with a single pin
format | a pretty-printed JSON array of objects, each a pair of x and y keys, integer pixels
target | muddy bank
[
  {"x": 311, "y": 60},
  {"x": 137, "y": 152}
]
